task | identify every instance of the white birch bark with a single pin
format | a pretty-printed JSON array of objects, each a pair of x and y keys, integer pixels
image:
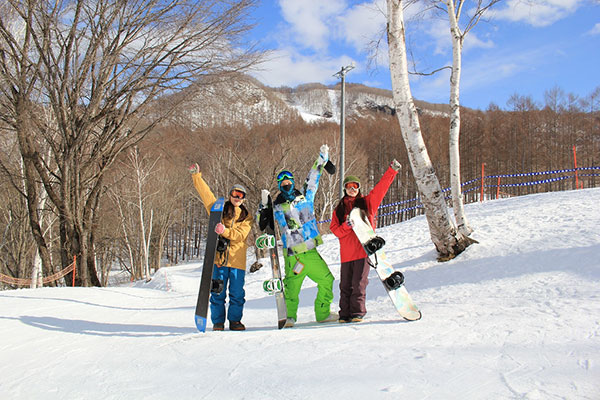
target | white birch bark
[
  {"x": 447, "y": 240},
  {"x": 36, "y": 272},
  {"x": 454, "y": 134},
  {"x": 142, "y": 173}
]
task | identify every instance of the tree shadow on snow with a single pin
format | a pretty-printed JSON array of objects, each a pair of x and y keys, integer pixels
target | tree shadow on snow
[
  {"x": 581, "y": 261},
  {"x": 103, "y": 328}
]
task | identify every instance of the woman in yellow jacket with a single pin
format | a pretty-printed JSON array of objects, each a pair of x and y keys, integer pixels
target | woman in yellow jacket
[{"x": 230, "y": 266}]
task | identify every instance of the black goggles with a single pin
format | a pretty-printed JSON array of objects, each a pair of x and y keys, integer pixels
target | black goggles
[{"x": 283, "y": 175}]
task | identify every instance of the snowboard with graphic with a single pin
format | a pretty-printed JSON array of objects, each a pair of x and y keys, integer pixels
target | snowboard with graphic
[
  {"x": 274, "y": 286},
  {"x": 392, "y": 280},
  {"x": 206, "y": 282}
]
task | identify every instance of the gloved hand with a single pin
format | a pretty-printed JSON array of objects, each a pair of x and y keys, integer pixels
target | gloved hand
[
  {"x": 264, "y": 197},
  {"x": 396, "y": 166},
  {"x": 219, "y": 228},
  {"x": 255, "y": 266},
  {"x": 194, "y": 168},
  {"x": 349, "y": 222},
  {"x": 324, "y": 152}
]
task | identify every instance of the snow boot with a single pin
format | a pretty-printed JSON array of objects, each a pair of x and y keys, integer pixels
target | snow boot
[
  {"x": 236, "y": 326},
  {"x": 332, "y": 317},
  {"x": 289, "y": 323},
  {"x": 219, "y": 326}
]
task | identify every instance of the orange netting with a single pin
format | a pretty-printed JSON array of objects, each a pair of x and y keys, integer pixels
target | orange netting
[{"x": 26, "y": 282}]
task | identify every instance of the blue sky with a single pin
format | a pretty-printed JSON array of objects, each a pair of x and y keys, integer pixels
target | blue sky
[{"x": 521, "y": 48}]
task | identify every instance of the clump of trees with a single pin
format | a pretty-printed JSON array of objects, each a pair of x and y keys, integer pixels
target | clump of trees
[
  {"x": 521, "y": 137},
  {"x": 80, "y": 81},
  {"x": 94, "y": 156}
]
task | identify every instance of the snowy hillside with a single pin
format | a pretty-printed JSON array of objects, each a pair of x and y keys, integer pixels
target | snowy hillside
[
  {"x": 245, "y": 100},
  {"x": 514, "y": 317}
]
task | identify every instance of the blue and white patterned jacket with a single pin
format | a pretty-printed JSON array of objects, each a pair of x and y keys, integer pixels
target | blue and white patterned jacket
[{"x": 296, "y": 218}]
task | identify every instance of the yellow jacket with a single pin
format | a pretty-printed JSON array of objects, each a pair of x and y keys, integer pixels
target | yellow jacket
[{"x": 236, "y": 232}]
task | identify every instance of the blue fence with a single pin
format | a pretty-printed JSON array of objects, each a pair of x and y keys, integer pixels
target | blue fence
[{"x": 587, "y": 173}]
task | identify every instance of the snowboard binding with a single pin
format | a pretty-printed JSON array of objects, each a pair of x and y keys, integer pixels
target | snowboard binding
[
  {"x": 273, "y": 286},
  {"x": 265, "y": 241},
  {"x": 394, "y": 281},
  {"x": 217, "y": 286},
  {"x": 373, "y": 245}
]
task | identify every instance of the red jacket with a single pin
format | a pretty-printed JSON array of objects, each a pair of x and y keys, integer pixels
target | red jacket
[{"x": 350, "y": 247}]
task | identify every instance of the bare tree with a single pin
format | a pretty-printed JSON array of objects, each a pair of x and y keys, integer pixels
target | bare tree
[
  {"x": 99, "y": 66},
  {"x": 454, "y": 10},
  {"x": 143, "y": 169},
  {"x": 448, "y": 241}
]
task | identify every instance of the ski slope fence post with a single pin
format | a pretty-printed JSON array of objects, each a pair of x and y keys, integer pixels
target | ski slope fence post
[
  {"x": 498, "y": 189},
  {"x": 575, "y": 163},
  {"x": 166, "y": 280},
  {"x": 482, "y": 180}
]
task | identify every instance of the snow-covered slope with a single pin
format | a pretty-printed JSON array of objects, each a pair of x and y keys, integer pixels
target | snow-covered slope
[
  {"x": 515, "y": 316},
  {"x": 245, "y": 100}
]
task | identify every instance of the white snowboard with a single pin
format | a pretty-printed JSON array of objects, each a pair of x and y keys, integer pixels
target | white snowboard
[{"x": 399, "y": 296}]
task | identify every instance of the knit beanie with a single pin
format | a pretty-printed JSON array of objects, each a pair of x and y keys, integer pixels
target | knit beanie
[
  {"x": 351, "y": 178},
  {"x": 238, "y": 187}
]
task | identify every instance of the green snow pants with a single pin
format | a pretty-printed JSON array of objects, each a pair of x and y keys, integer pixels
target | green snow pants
[{"x": 318, "y": 271}]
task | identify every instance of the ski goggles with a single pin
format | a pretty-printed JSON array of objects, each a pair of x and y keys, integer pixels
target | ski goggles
[
  {"x": 283, "y": 175},
  {"x": 237, "y": 194},
  {"x": 352, "y": 185}
]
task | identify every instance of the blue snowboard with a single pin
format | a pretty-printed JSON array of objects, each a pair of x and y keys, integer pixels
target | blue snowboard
[{"x": 216, "y": 213}]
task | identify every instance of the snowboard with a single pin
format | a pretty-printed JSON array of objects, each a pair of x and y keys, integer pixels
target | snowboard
[
  {"x": 206, "y": 282},
  {"x": 392, "y": 280},
  {"x": 274, "y": 286}
]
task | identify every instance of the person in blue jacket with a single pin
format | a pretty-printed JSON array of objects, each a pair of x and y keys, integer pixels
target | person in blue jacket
[{"x": 294, "y": 212}]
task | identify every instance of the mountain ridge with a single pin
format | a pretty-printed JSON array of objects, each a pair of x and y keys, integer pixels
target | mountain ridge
[{"x": 244, "y": 99}]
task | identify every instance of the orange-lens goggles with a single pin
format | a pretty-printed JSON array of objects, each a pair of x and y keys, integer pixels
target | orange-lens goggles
[
  {"x": 352, "y": 185},
  {"x": 237, "y": 194}
]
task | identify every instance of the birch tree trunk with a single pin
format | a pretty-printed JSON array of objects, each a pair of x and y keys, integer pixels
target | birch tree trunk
[
  {"x": 454, "y": 151},
  {"x": 448, "y": 241}
]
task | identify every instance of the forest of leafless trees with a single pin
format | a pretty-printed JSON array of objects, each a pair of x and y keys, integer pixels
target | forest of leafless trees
[
  {"x": 152, "y": 178},
  {"x": 78, "y": 89},
  {"x": 94, "y": 139}
]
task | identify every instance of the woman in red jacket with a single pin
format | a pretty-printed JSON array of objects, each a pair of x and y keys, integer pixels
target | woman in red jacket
[{"x": 355, "y": 267}]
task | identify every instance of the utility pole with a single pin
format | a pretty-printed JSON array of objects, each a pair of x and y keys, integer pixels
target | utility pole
[{"x": 342, "y": 74}]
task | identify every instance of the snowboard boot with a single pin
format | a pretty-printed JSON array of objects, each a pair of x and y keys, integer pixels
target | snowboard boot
[
  {"x": 344, "y": 320},
  {"x": 289, "y": 323},
  {"x": 332, "y": 317},
  {"x": 219, "y": 326},
  {"x": 357, "y": 318},
  {"x": 236, "y": 326}
]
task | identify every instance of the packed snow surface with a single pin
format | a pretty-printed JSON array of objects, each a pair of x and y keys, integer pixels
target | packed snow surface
[{"x": 516, "y": 316}]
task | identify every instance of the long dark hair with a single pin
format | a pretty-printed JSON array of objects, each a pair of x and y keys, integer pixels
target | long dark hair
[
  {"x": 229, "y": 211},
  {"x": 340, "y": 211}
]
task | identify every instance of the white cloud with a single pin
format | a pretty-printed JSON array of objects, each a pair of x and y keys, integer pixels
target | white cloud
[
  {"x": 439, "y": 31},
  {"x": 287, "y": 67},
  {"x": 536, "y": 13},
  {"x": 363, "y": 23},
  {"x": 482, "y": 72},
  {"x": 363, "y": 27},
  {"x": 496, "y": 67},
  {"x": 309, "y": 20},
  {"x": 472, "y": 41},
  {"x": 595, "y": 30}
]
